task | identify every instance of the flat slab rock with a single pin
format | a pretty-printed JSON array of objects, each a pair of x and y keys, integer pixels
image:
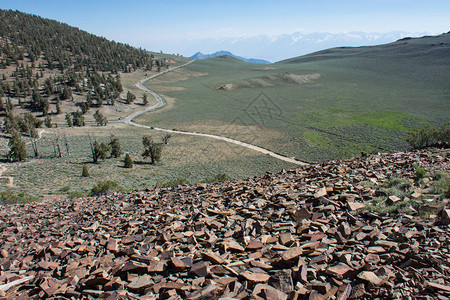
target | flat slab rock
[{"x": 298, "y": 234}]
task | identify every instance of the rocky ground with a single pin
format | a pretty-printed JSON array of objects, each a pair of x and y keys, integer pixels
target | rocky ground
[{"x": 325, "y": 231}]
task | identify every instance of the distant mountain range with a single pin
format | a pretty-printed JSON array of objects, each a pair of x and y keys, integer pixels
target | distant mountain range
[
  {"x": 279, "y": 47},
  {"x": 200, "y": 55}
]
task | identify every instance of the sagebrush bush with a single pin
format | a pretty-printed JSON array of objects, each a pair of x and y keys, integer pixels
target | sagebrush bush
[{"x": 105, "y": 187}]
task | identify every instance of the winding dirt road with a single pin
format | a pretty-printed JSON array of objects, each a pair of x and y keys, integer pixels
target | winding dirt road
[{"x": 160, "y": 103}]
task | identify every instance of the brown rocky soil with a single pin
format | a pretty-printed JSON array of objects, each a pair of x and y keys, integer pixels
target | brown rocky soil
[{"x": 299, "y": 234}]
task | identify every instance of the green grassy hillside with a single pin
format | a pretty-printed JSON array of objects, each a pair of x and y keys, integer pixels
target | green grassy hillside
[{"x": 333, "y": 103}]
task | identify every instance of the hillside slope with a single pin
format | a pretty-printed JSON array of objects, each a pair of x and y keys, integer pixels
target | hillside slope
[
  {"x": 432, "y": 48},
  {"x": 49, "y": 69},
  {"x": 334, "y": 103},
  {"x": 309, "y": 232}
]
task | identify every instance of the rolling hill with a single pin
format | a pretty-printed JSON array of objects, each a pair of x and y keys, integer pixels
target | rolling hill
[
  {"x": 200, "y": 55},
  {"x": 333, "y": 103},
  {"x": 434, "y": 49}
]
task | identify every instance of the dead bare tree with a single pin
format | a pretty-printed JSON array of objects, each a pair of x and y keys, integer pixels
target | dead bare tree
[
  {"x": 58, "y": 146},
  {"x": 165, "y": 138},
  {"x": 32, "y": 133},
  {"x": 66, "y": 142}
]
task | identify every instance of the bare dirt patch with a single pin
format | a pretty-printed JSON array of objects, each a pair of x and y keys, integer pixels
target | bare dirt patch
[
  {"x": 269, "y": 81},
  {"x": 295, "y": 79}
]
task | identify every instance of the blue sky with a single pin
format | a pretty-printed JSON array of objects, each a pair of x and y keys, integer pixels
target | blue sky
[{"x": 141, "y": 23}]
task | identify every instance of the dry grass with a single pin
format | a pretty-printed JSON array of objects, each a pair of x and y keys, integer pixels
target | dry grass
[{"x": 193, "y": 158}]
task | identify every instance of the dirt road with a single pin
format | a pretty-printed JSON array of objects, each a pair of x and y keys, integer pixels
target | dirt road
[{"x": 160, "y": 103}]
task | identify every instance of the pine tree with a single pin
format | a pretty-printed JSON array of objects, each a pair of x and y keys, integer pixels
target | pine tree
[
  {"x": 69, "y": 120},
  {"x": 151, "y": 149},
  {"x": 100, "y": 119},
  {"x": 78, "y": 119},
  {"x": 128, "y": 162},
  {"x": 100, "y": 150},
  {"x": 58, "y": 106},
  {"x": 17, "y": 151},
  {"x": 48, "y": 121},
  {"x": 116, "y": 150},
  {"x": 130, "y": 97}
]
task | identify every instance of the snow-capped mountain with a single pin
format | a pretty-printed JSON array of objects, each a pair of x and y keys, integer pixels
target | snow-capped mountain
[{"x": 275, "y": 48}]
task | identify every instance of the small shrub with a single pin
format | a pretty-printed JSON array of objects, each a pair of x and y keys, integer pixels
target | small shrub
[
  {"x": 218, "y": 178},
  {"x": 380, "y": 206},
  {"x": 429, "y": 136},
  {"x": 85, "y": 172},
  {"x": 64, "y": 189},
  {"x": 105, "y": 187},
  {"x": 174, "y": 182},
  {"x": 441, "y": 183},
  {"x": 9, "y": 197},
  {"x": 128, "y": 162},
  {"x": 420, "y": 172},
  {"x": 76, "y": 194}
]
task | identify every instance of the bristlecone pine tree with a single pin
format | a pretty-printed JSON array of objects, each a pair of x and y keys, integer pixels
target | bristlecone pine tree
[
  {"x": 151, "y": 149},
  {"x": 100, "y": 119},
  {"x": 100, "y": 150},
  {"x": 116, "y": 150},
  {"x": 128, "y": 162},
  {"x": 130, "y": 97},
  {"x": 69, "y": 120},
  {"x": 17, "y": 151}
]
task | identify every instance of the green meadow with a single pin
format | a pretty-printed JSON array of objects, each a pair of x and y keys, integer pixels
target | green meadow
[{"x": 332, "y": 104}]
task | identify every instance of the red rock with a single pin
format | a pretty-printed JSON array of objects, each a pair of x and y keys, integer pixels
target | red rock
[
  {"x": 112, "y": 245},
  {"x": 292, "y": 253},
  {"x": 200, "y": 269},
  {"x": 254, "y": 245},
  {"x": 339, "y": 270},
  {"x": 213, "y": 258},
  {"x": 255, "y": 277},
  {"x": 370, "y": 277}
]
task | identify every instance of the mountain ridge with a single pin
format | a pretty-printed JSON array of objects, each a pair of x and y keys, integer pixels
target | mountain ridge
[
  {"x": 200, "y": 55},
  {"x": 434, "y": 47}
]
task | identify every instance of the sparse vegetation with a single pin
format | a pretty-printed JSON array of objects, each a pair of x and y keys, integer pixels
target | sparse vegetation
[
  {"x": 403, "y": 189},
  {"x": 105, "y": 187},
  {"x": 420, "y": 172},
  {"x": 76, "y": 194},
  {"x": 174, "y": 182},
  {"x": 144, "y": 99},
  {"x": 218, "y": 178},
  {"x": 430, "y": 136},
  {"x": 9, "y": 197},
  {"x": 441, "y": 183}
]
